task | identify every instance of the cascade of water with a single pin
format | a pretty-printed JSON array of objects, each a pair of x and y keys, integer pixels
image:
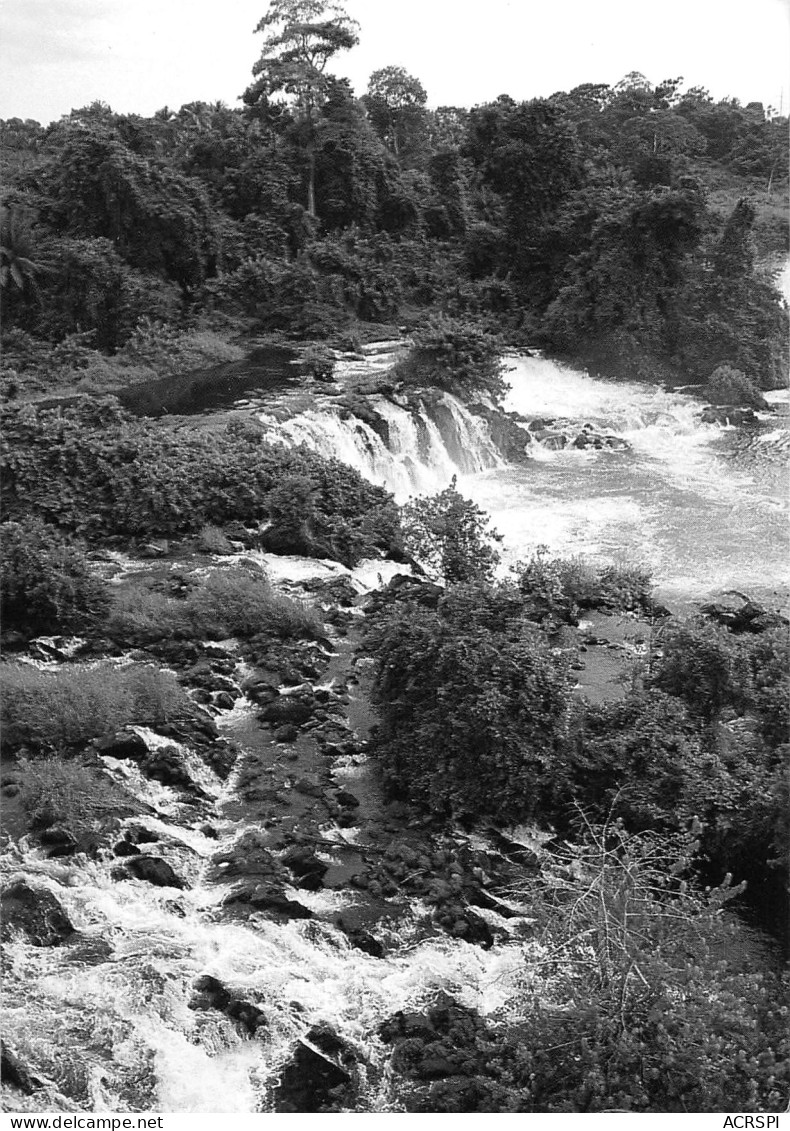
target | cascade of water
[{"x": 424, "y": 448}]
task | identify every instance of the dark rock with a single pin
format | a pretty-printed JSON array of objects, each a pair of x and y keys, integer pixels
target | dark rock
[
  {"x": 209, "y": 831},
  {"x": 153, "y": 870},
  {"x": 270, "y": 900},
  {"x": 289, "y": 709},
  {"x": 248, "y": 1016},
  {"x": 347, "y": 799},
  {"x": 728, "y": 414},
  {"x": 288, "y": 733},
  {"x": 124, "y": 744},
  {"x": 313, "y": 1080},
  {"x": 740, "y": 614},
  {"x": 14, "y": 1073},
  {"x": 156, "y": 548},
  {"x": 363, "y": 940},
  {"x": 139, "y": 834},
  {"x": 223, "y": 700},
  {"x": 36, "y": 913},
  {"x": 210, "y": 993},
  {"x": 306, "y": 867},
  {"x": 58, "y": 841},
  {"x": 308, "y": 787},
  {"x": 125, "y": 848}
]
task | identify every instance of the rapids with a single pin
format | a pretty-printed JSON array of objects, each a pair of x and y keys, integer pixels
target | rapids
[
  {"x": 703, "y": 506},
  {"x": 105, "y": 1023}
]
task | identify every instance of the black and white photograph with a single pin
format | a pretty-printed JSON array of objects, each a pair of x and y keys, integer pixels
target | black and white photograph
[{"x": 394, "y": 572}]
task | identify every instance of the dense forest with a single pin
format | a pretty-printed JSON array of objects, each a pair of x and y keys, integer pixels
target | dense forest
[{"x": 634, "y": 229}]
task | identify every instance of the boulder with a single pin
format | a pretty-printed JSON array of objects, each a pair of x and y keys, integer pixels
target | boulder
[
  {"x": 306, "y": 867},
  {"x": 740, "y": 614},
  {"x": 317, "y": 1077},
  {"x": 13, "y": 1072},
  {"x": 58, "y": 841},
  {"x": 36, "y": 913},
  {"x": 124, "y": 744},
  {"x": 153, "y": 870},
  {"x": 269, "y": 899},
  {"x": 728, "y": 414}
]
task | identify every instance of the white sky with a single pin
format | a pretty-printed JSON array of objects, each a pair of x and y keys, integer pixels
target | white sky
[{"x": 139, "y": 55}]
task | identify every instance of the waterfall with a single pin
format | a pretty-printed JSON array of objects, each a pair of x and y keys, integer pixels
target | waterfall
[{"x": 417, "y": 450}]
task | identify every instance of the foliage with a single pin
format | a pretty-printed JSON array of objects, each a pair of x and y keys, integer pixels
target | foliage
[
  {"x": 449, "y": 353},
  {"x": 557, "y": 588},
  {"x": 65, "y": 709},
  {"x": 67, "y": 793},
  {"x": 92, "y": 469},
  {"x": 729, "y": 386},
  {"x": 46, "y": 582},
  {"x": 449, "y": 536},
  {"x": 704, "y": 665},
  {"x": 472, "y": 702},
  {"x": 635, "y": 998},
  {"x": 237, "y": 601}
]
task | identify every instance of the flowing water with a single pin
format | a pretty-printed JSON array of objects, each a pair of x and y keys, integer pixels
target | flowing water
[
  {"x": 105, "y": 1022},
  {"x": 703, "y": 506}
]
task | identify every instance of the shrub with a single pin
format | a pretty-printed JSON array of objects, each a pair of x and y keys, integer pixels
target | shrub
[
  {"x": 238, "y": 601},
  {"x": 704, "y": 665},
  {"x": 728, "y": 386},
  {"x": 47, "y": 710},
  {"x": 92, "y": 469},
  {"x": 638, "y": 1000},
  {"x": 46, "y": 581},
  {"x": 449, "y": 353},
  {"x": 167, "y": 349},
  {"x": 449, "y": 537},
  {"x": 472, "y": 703},
  {"x": 68, "y": 794}
]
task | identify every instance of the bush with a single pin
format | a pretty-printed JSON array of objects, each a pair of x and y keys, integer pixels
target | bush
[
  {"x": 704, "y": 665},
  {"x": 640, "y": 1002},
  {"x": 92, "y": 469},
  {"x": 728, "y": 386},
  {"x": 237, "y": 601},
  {"x": 69, "y": 794},
  {"x": 65, "y": 709},
  {"x": 449, "y": 537},
  {"x": 166, "y": 349},
  {"x": 472, "y": 703},
  {"x": 558, "y": 587},
  {"x": 46, "y": 581},
  {"x": 449, "y": 353}
]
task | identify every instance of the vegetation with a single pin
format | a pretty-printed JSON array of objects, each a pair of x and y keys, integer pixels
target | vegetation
[
  {"x": 91, "y": 469},
  {"x": 45, "y": 581},
  {"x": 449, "y": 537},
  {"x": 628, "y": 226},
  {"x": 238, "y": 601},
  {"x": 61, "y": 711}
]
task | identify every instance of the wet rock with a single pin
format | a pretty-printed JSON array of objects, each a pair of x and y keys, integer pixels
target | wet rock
[
  {"x": 740, "y": 614},
  {"x": 316, "y": 1078},
  {"x": 155, "y": 548},
  {"x": 124, "y": 744},
  {"x": 125, "y": 848},
  {"x": 288, "y": 733},
  {"x": 153, "y": 870},
  {"x": 288, "y": 710},
  {"x": 347, "y": 799},
  {"x": 58, "y": 841},
  {"x": 14, "y": 1073},
  {"x": 36, "y": 913},
  {"x": 139, "y": 834},
  {"x": 223, "y": 700},
  {"x": 271, "y": 900},
  {"x": 728, "y": 414},
  {"x": 210, "y": 993},
  {"x": 362, "y": 940},
  {"x": 337, "y": 590},
  {"x": 247, "y": 1015},
  {"x": 209, "y": 831},
  {"x": 309, "y": 787},
  {"x": 306, "y": 867}
]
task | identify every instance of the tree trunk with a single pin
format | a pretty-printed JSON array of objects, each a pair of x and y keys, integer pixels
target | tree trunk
[{"x": 311, "y": 181}]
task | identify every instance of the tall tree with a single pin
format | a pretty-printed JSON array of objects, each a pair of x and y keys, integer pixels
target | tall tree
[
  {"x": 301, "y": 36},
  {"x": 395, "y": 103}
]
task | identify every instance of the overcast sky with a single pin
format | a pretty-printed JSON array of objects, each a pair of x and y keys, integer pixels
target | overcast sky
[{"x": 140, "y": 55}]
